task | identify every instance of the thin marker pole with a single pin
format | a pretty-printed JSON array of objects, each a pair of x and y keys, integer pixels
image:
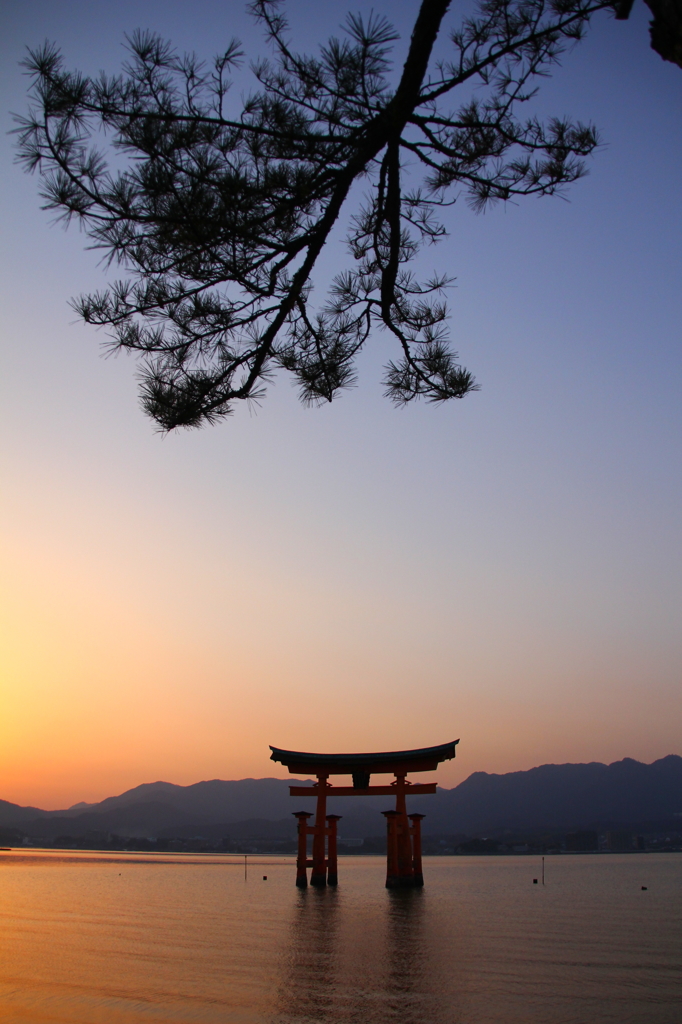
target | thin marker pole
[
  {"x": 245, "y": 867},
  {"x": 543, "y": 870}
]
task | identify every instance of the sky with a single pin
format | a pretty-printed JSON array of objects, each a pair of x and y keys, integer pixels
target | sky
[{"x": 503, "y": 569}]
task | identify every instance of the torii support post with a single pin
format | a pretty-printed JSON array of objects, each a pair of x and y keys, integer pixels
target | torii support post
[
  {"x": 392, "y": 871},
  {"x": 399, "y": 835},
  {"x": 318, "y": 876},
  {"x": 416, "y": 835},
  {"x": 332, "y": 869},
  {"x": 405, "y": 868},
  {"x": 302, "y": 858},
  {"x": 403, "y": 841}
]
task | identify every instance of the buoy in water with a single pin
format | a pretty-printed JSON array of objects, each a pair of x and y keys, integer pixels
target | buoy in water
[{"x": 535, "y": 881}]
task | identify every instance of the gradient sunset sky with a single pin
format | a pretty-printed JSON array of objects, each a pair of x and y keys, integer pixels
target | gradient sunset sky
[{"x": 504, "y": 569}]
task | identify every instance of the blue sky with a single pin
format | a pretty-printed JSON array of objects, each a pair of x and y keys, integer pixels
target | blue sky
[{"x": 505, "y": 568}]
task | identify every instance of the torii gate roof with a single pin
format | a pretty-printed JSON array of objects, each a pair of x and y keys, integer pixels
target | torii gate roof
[{"x": 423, "y": 759}]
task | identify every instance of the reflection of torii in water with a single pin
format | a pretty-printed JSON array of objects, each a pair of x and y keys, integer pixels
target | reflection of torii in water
[{"x": 403, "y": 855}]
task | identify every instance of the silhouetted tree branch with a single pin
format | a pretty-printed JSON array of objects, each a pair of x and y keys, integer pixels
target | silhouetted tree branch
[{"x": 219, "y": 216}]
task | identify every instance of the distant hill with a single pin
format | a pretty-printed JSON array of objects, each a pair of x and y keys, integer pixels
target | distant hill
[
  {"x": 557, "y": 795},
  {"x": 12, "y": 815},
  {"x": 552, "y": 796}
]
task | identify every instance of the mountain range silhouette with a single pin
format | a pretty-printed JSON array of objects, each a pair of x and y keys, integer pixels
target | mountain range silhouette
[{"x": 552, "y": 796}]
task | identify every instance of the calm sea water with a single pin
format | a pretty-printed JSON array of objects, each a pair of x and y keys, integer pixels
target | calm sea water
[{"x": 129, "y": 939}]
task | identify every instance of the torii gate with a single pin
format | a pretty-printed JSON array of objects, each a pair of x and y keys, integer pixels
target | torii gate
[{"x": 403, "y": 855}]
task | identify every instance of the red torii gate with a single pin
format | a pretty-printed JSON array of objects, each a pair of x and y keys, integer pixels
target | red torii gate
[{"x": 403, "y": 855}]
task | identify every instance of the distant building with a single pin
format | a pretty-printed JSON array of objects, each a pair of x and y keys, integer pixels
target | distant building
[
  {"x": 582, "y": 842},
  {"x": 621, "y": 842}
]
